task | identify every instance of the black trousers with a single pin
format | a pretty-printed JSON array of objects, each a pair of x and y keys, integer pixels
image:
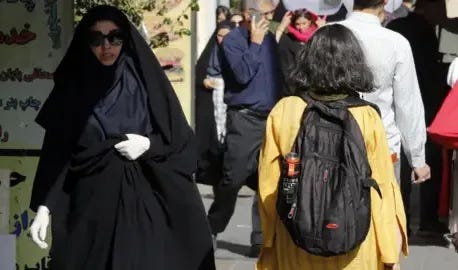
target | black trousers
[
  {"x": 245, "y": 131},
  {"x": 429, "y": 190}
]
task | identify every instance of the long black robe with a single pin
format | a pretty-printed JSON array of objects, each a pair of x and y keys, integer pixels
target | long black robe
[
  {"x": 210, "y": 156},
  {"x": 103, "y": 206}
]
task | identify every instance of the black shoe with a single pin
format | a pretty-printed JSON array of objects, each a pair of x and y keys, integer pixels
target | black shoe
[
  {"x": 254, "y": 251},
  {"x": 452, "y": 241}
]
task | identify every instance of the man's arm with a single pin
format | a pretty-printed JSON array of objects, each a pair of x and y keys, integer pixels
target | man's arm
[
  {"x": 243, "y": 60},
  {"x": 408, "y": 106}
]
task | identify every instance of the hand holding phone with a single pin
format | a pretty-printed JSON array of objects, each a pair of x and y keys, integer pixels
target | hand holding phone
[{"x": 259, "y": 28}]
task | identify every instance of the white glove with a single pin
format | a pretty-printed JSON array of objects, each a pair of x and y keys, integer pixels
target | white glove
[
  {"x": 134, "y": 147},
  {"x": 39, "y": 227}
]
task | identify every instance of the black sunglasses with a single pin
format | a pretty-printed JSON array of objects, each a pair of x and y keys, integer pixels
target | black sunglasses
[{"x": 114, "y": 37}]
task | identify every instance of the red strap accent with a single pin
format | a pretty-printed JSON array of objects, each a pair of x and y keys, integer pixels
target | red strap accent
[{"x": 444, "y": 198}]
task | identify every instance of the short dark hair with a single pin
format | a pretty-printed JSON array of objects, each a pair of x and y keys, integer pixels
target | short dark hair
[
  {"x": 226, "y": 24},
  {"x": 223, "y": 9},
  {"x": 301, "y": 13},
  {"x": 363, "y": 4},
  {"x": 332, "y": 62}
]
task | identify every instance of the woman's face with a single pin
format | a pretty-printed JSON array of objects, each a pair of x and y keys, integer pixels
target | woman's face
[
  {"x": 106, "y": 42},
  {"x": 221, "y": 17},
  {"x": 236, "y": 19},
  {"x": 221, "y": 34},
  {"x": 302, "y": 24}
]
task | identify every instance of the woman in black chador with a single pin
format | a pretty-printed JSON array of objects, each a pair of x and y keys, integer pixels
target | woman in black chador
[{"x": 117, "y": 160}]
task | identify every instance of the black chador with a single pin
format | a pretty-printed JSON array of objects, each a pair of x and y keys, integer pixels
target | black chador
[{"x": 109, "y": 212}]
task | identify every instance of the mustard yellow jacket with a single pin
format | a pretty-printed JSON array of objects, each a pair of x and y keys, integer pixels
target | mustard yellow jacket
[{"x": 388, "y": 218}]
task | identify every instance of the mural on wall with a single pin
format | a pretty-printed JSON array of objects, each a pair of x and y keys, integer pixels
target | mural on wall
[
  {"x": 22, "y": 37},
  {"x": 33, "y": 39},
  {"x": 20, "y": 172},
  {"x": 4, "y": 201},
  {"x": 31, "y": 45},
  {"x": 175, "y": 58},
  {"x": 28, "y": 4}
]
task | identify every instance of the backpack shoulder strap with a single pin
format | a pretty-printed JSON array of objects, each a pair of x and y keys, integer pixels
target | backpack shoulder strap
[
  {"x": 354, "y": 101},
  {"x": 371, "y": 183},
  {"x": 339, "y": 109},
  {"x": 333, "y": 109}
]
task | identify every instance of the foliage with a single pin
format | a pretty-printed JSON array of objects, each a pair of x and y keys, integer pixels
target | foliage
[
  {"x": 235, "y": 4},
  {"x": 176, "y": 25},
  {"x": 134, "y": 10}
]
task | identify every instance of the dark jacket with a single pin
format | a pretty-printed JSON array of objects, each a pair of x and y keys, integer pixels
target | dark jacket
[
  {"x": 424, "y": 43},
  {"x": 289, "y": 48},
  {"x": 250, "y": 71}
]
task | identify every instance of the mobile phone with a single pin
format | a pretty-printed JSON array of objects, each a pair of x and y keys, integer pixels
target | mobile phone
[{"x": 256, "y": 16}]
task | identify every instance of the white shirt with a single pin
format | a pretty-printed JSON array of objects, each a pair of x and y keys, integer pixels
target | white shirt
[
  {"x": 452, "y": 74},
  {"x": 397, "y": 93}
]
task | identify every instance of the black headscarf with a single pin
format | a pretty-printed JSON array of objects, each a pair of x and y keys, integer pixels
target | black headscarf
[
  {"x": 81, "y": 85},
  {"x": 80, "y": 74},
  {"x": 209, "y": 164},
  {"x": 81, "y": 82}
]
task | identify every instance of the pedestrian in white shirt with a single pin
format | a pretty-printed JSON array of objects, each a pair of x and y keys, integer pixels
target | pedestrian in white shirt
[{"x": 397, "y": 93}]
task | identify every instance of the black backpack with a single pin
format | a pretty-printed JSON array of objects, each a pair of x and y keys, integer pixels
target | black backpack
[{"x": 327, "y": 212}]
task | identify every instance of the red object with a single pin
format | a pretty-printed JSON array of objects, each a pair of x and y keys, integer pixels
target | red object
[
  {"x": 332, "y": 226},
  {"x": 444, "y": 195},
  {"x": 292, "y": 159},
  {"x": 302, "y": 36},
  {"x": 444, "y": 129},
  {"x": 394, "y": 157}
]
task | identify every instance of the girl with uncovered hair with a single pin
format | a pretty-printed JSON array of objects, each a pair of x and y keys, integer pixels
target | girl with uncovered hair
[{"x": 330, "y": 68}]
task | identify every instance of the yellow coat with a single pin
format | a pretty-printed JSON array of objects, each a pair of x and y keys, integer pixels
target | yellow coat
[{"x": 382, "y": 242}]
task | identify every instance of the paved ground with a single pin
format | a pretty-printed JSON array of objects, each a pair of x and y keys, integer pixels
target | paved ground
[{"x": 233, "y": 244}]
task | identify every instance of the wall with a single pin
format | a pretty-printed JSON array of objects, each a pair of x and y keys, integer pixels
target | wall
[
  {"x": 177, "y": 53},
  {"x": 33, "y": 39}
]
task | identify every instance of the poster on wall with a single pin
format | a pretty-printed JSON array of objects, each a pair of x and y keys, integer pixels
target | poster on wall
[
  {"x": 176, "y": 57},
  {"x": 33, "y": 38},
  {"x": 21, "y": 171},
  {"x": 4, "y": 201}
]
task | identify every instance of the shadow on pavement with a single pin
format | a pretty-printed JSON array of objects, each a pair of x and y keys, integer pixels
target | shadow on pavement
[
  {"x": 431, "y": 240},
  {"x": 233, "y": 247}
]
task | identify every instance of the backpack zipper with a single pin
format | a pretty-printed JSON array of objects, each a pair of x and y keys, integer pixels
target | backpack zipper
[
  {"x": 323, "y": 199},
  {"x": 292, "y": 211}
]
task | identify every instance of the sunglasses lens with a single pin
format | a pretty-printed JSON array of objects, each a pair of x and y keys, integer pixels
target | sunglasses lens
[
  {"x": 115, "y": 39},
  {"x": 95, "y": 38}
]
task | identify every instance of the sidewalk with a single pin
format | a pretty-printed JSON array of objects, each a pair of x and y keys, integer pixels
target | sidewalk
[{"x": 234, "y": 243}]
